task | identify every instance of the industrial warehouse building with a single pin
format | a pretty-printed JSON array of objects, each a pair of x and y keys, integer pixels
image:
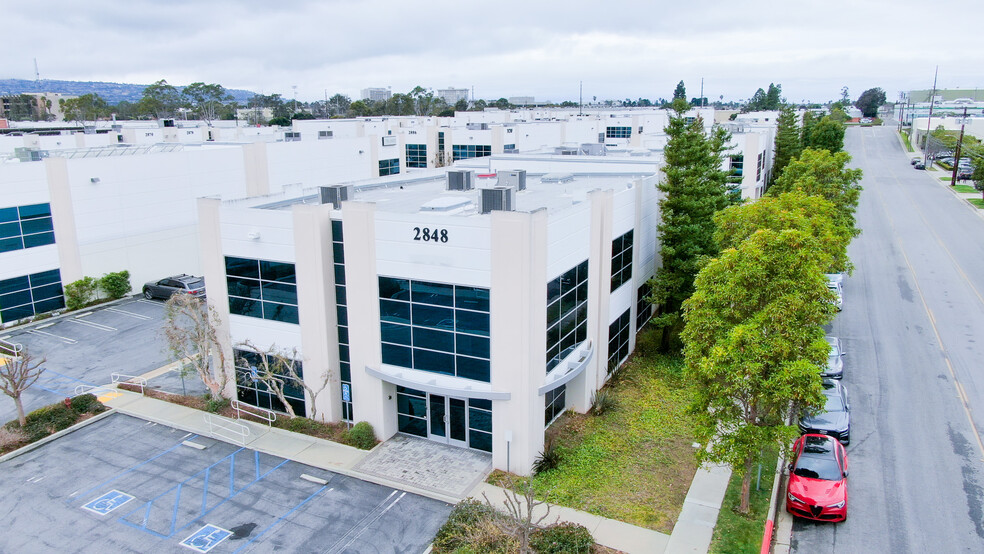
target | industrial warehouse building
[{"x": 467, "y": 308}]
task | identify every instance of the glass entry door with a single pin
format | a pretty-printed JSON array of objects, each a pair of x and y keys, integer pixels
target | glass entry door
[{"x": 447, "y": 421}]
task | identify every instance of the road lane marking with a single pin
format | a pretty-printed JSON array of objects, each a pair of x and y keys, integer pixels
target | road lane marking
[
  {"x": 126, "y": 313},
  {"x": 93, "y": 324},
  {"x": 59, "y": 337},
  {"x": 932, "y": 318}
]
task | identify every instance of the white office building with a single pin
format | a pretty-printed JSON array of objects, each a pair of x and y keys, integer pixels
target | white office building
[
  {"x": 467, "y": 308},
  {"x": 377, "y": 94},
  {"x": 452, "y": 95}
]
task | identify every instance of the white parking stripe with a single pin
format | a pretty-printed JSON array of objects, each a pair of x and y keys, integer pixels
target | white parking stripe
[
  {"x": 65, "y": 339},
  {"x": 143, "y": 301},
  {"x": 126, "y": 313},
  {"x": 94, "y": 325}
]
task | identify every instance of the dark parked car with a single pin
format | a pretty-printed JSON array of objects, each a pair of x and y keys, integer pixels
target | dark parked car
[
  {"x": 919, "y": 165},
  {"x": 817, "y": 487},
  {"x": 835, "y": 364},
  {"x": 165, "y": 288},
  {"x": 834, "y": 419}
]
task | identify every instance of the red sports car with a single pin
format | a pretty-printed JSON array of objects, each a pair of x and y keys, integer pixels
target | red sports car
[{"x": 818, "y": 479}]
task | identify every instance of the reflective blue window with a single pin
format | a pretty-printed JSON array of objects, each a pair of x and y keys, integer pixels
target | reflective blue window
[
  {"x": 433, "y": 340},
  {"x": 270, "y": 282},
  {"x": 432, "y": 293},
  {"x": 438, "y": 362},
  {"x": 26, "y": 227},
  {"x": 471, "y": 345},
  {"x": 474, "y": 368},
  {"x": 396, "y": 334},
  {"x": 433, "y": 316},
  {"x": 29, "y": 295},
  {"x": 567, "y": 313},
  {"x": 471, "y": 298},
  {"x": 394, "y": 312},
  {"x": 475, "y": 323},
  {"x": 394, "y": 289},
  {"x": 397, "y": 355}
]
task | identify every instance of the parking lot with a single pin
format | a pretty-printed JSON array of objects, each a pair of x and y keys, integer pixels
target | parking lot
[
  {"x": 87, "y": 347},
  {"x": 126, "y": 485}
]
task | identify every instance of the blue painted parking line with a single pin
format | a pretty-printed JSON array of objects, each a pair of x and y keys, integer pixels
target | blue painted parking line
[
  {"x": 108, "y": 502},
  {"x": 206, "y": 538},
  {"x": 72, "y": 497},
  {"x": 281, "y": 518},
  {"x": 62, "y": 385},
  {"x": 173, "y": 528}
]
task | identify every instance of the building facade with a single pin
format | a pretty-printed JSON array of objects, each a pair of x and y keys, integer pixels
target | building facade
[{"x": 430, "y": 317}]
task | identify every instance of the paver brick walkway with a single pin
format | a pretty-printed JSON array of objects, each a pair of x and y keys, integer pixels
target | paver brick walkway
[{"x": 427, "y": 464}]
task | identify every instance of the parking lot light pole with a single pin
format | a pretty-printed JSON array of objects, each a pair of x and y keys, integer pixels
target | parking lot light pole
[{"x": 956, "y": 157}]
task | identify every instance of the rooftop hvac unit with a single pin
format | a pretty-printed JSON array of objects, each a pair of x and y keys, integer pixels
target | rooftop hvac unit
[
  {"x": 500, "y": 199},
  {"x": 477, "y": 126},
  {"x": 336, "y": 194},
  {"x": 461, "y": 179},
  {"x": 513, "y": 178}
]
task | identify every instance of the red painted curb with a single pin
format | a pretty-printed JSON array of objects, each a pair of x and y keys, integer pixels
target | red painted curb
[{"x": 767, "y": 537}]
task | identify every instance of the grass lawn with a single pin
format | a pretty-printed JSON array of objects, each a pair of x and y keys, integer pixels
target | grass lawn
[
  {"x": 964, "y": 188},
  {"x": 977, "y": 202},
  {"x": 635, "y": 462},
  {"x": 736, "y": 533},
  {"x": 905, "y": 140}
]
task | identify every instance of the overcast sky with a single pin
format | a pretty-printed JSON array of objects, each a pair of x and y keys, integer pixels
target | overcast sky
[{"x": 619, "y": 49}]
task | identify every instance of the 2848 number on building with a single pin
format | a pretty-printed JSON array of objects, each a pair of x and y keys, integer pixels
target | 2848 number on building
[{"x": 430, "y": 235}]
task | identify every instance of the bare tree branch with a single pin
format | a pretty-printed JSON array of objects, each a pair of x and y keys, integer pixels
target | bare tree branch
[
  {"x": 17, "y": 374},
  {"x": 189, "y": 329},
  {"x": 277, "y": 367}
]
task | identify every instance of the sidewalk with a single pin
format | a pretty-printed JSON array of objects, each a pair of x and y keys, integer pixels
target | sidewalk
[{"x": 692, "y": 532}]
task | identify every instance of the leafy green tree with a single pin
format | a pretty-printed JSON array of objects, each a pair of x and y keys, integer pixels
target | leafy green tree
[
  {"x": 978, "y": 175},
  {"x": 680, "y": 91},
  {"x": 869, "y": 101},
  {"x": 809, "y": 122},
  {"x": 88, "y": 107},
  {"x": 695, "y": 187},
  {"x": 773, "y": 98},
  {"x": 160, "y": 100},
  {"x": 461, "y": 105},
  {"x": 827, "y": 135},
  {"x": 754, "y": 346},
  {"x": 845, "y": 95},
  {"x": 502, "y": 104},
  {"x": 813, "y": 215},
  {"x": 360, "y": 108},
  {"x": 820, "y": 173},
  {"x": 206, "y": 99},
  {"x": 788, "y": 141},
  {"x": 479, "y": 105},
  {"x": 280, "y": 121}
]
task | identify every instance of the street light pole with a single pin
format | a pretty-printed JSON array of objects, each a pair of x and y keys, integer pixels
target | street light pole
[{"x": 932, "y": 98}]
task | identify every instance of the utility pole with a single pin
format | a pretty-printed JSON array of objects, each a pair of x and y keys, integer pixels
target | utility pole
[
  {"x": 929, "y": 127},
  {"x": 701, "y": 104},
  {"x": 327, "y": 114},
  {"x": 295, "y": 97},
  {"x": 580, "y": 98},
  {"x": 956, "y": 157}
]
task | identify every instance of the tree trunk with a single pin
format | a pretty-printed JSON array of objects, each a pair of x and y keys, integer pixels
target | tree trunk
[
  {"x": 746, "y": 485},
  {"x": 21, "y": 418}
]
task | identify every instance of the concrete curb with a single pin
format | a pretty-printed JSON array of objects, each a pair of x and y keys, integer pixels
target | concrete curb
[
  {"x": 27, "y": 448},
  {"x": 771, "y": 527}
]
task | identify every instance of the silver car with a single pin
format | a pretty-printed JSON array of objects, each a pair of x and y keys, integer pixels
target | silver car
[
  {"x": 838, "y": 289},
  {"x": 835, "y": 363},
  {"x": 834, "y": 419}
]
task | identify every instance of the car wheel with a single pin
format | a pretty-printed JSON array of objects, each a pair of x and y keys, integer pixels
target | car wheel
[{"x": 147, "y": 294}]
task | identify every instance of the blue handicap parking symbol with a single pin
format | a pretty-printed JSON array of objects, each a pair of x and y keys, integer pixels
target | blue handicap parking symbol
[
  {"x": 346, "y": 392},
  {"x": 206, "y": 538},
  {"x": 108, "y": 502}
]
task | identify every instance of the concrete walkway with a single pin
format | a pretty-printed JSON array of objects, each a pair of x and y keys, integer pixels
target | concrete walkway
[{"x": 692, "y": 532}]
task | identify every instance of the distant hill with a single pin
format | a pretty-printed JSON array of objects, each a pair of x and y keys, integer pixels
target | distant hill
[{"x": 110, "y": 92}]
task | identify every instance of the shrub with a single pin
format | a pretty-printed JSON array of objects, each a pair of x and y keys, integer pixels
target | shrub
[
  {"x": 47, "y": 420},
  {"x": 362, "y": 435},
  {"x": 80, "y": 294},
  {"x": 215, "y": 405},
  {"x": 467, "y": 522},
  {"x": 549, "y": 459},
  {"x": 10, "y": 437},
  {"x": 602, "y": 401},
  {"x": 562, "y": 538},
  {"x": 116, "y": 285},
  {"x": 87, "y": 404}
]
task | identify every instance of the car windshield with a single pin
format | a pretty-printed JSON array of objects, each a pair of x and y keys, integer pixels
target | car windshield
[
  {"x": 817, "y": 466},
  {"x": 196, "y": 284},
  {"x": 834, "y": 404},
  {"x": 834, "y": 351}
]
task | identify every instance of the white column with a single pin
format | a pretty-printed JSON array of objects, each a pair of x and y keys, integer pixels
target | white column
[
  {"x": 372, "y": 400},
  {"x": 316, "y": 307},
  {"x": 257, "y": 169},
  {"x": 599, "y": 287},
  {"x": 63, "y": 219},
  {"x": 213, "y": 267},
  {"x": 518, "y": 299}
]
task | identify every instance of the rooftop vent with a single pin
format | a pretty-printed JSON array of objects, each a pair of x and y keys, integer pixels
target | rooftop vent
[
  {"x": 461, "y": 179},
  {"x": 336, "y": 194},
  {"x": 593, "y": 149},
  {"x": 497, "y": 199},
  {"x": 477, "y": 126},
  {"x": 513, "y": 178},
  {"x": 557, "y": 178}
]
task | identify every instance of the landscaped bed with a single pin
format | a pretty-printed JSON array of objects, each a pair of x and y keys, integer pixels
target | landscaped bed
[
  {"x": 360, "y": 435},
  {"x": 47, "y": 421},
  {"x": 634, "y": 462}
]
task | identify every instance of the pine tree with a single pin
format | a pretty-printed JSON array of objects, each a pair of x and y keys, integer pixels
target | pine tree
[
  {"x": 695, "y": 187},
  {"x": 680, "y": 91},
  {"x": 809, "y": 122}
]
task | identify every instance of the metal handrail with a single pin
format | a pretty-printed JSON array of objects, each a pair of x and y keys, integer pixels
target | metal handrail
[
  {"x": 15, "y": 348},
  {"x": 266, "y": 415},
  {"x": 130, "y": 380},
  {"x": 227, "y": 429},
  {"x": 89, "y": 389}
]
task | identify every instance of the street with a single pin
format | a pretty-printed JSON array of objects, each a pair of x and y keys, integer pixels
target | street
[{"x": 913, "y": 367}]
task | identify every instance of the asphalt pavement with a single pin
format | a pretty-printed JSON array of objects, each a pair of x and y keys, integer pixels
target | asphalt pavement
[{"x": 913, "y": 368}]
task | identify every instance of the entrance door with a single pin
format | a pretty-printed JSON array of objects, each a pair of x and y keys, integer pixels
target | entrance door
[{"x": 447, "y": 421}]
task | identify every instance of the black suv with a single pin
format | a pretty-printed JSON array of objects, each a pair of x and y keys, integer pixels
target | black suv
[{"x": 165, "y": 288}]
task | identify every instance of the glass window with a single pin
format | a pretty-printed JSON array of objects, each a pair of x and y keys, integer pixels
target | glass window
[
  {"x": 474, "y": 368},
  {"x": 566, "y": 314},
  {"x": 395, "y": 289},
  {"x": 433, "y": 340},
  {"x": 480, "y": 441},
  {"x": 396, "y": 334},
  {"x": 416, "y": 155},
  {"x": 26, "y": 227},
  {"x": 277, "y": 271},
  {"x": 622, "y": 260},
  {"x": 8, "y": 230},
  {"x": 280, "y": 312},
  {"x": 437, "y": 362},
  {"x": 471, "y": 345},
  {"x": 242, "y": 267},
  {"x": 433, "y": 316},
  {"x": 29, "y": 295},
  {"x": 475, "y": 323},
  {"x": 8, "y": 214},
  {"x": 397, "y": 355},
  {"x": 471, "y": 298},
  {"x": 394, "y": 312},
  {"x": 389, "y": 167},
  {"x": 270, "y": 281},
  {"x": 412, "y": 425},
  {"x": 242, "y": 287},
  {"x": 432, "y": 293},
  {"x": 336, "y": 230}
]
